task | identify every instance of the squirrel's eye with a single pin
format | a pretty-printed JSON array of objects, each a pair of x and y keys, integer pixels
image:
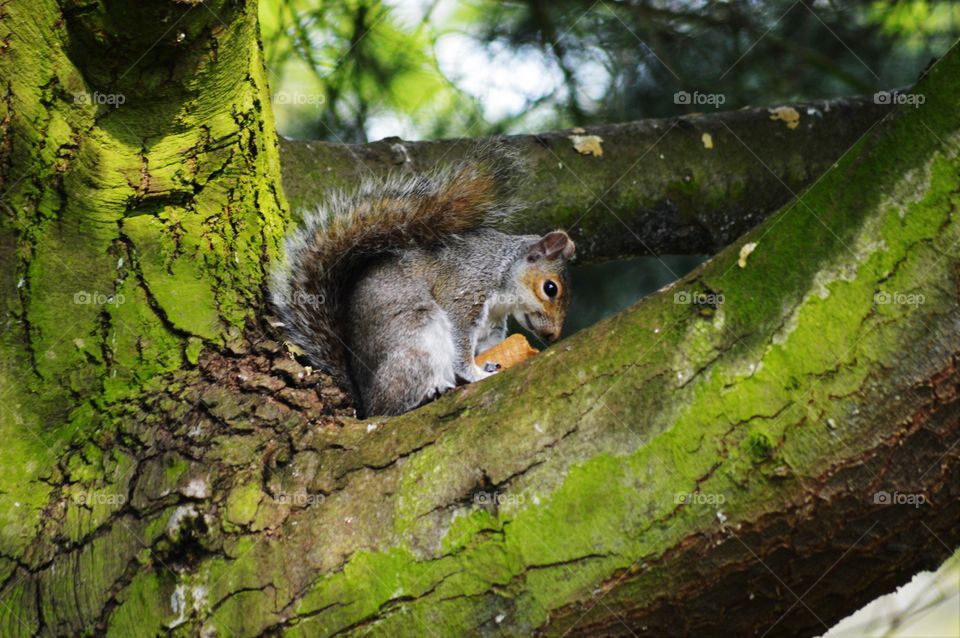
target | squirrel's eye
[{"x": 550, "y": 289}]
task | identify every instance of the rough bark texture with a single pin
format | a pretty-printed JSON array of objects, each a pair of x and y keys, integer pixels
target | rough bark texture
[
  {"x": 139, "y": 177},
  {"x": 657, "y": 189},
  {"x": 697, "y": 463}
]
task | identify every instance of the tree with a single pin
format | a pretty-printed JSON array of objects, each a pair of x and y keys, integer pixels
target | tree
[
  {"x": 339, "y": 68},
  {"x": 753, "y": 448}
]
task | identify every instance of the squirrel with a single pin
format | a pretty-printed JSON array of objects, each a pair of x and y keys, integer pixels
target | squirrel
[{"x": 395, "y": 287}]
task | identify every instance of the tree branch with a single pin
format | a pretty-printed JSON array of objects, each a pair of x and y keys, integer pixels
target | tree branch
[
  {"x": 657, "y": 188},
  {"x": 753, "y": 447}
]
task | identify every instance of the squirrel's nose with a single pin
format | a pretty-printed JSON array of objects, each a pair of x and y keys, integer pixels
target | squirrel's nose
[{"x": 552, "y": 336}]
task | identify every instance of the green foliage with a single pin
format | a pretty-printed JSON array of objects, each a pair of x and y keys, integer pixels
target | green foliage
[
  {"x": 344, "y": 70},
  {"x": 336, "y": 66},
  {"x": 916, "y": 19}
]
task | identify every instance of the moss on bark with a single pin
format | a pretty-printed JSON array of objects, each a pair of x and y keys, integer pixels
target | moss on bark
[
  {"x": 178, "y": 473},
  {"x": 139, "y": 178}
]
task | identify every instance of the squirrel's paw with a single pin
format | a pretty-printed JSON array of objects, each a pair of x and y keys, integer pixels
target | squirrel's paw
[
  {"x": 488, "y": 370},
  {"x": 436, "y": 393},
  {"x": 475, "y": 373}
]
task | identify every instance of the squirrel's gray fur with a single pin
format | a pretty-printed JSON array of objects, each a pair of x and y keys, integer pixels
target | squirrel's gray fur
[{"x": 393, "y": 288}]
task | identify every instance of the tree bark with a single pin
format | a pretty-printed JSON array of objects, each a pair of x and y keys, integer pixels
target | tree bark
[
  {"x": 657, "y": 188},
  {"x": 705, "y": 462}
]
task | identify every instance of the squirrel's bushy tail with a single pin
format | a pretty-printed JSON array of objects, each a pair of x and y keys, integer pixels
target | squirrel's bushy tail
[{"x": 381, "y": 215}]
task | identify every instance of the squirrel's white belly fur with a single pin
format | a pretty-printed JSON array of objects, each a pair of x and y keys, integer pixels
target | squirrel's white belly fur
[{"x": 436, "y": 339}]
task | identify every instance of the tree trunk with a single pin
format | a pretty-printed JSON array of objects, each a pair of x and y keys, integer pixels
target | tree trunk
[
  {"x": 705, "y": 462},
  {"x": 660, "y": 187}
]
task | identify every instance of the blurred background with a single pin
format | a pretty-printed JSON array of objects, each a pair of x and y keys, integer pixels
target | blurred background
[{"x": 361, "y": 70}]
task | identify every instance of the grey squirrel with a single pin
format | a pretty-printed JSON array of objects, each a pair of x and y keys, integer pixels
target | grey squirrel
[{"x": 395, "y": 287}]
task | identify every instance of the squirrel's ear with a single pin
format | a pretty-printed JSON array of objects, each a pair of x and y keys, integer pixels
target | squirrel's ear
[{"x": 552, "y": 246}]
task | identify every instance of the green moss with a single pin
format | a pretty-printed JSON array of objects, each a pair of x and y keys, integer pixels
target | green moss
[
  {"x": 144, "y": 606},
  {"x": 140, "y": 345},
  {"x": 192, "y": 351},
  {"x": 464, "y": 529},
  {"x": 179, "y": 285},
  {"x": 174, "y": 468},
  {"x": 137, "y": 236},
  {"x": 242, "y": 503},
  {"x": 246, "y": 613},
  {"x": 18, "y": 614},
  {"x": 368, "y": 581},
  {"x": 102, "y": 560},
  {"x": 759, "y": 445}
]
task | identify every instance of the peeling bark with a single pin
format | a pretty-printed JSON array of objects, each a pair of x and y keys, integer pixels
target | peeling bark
[{"x": 705, "y": 462}]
